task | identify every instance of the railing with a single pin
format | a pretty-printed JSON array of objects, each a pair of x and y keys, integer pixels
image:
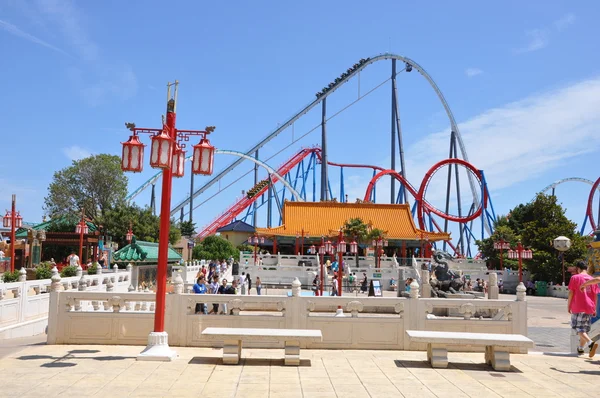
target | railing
[
  {"x": 368, "y": 322},
  {"x": 24, "y": 305}
]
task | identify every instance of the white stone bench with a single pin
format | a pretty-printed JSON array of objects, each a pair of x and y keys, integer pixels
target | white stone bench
[
  {"x": 497, "y": 346},
  {"x": 233, "y": 337}
]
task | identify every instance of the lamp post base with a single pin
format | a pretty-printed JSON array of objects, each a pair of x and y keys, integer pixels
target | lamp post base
[{"x": 157, "y": 349}]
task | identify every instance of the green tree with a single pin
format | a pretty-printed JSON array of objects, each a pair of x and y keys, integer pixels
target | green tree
[
  {"x": 537, "y": 224},
  {"x": 355, "y": 229},
  {"x": 214, "y": 248},
  {"x": 95, "y": 183},
  {"x": 187, "y": 228},
  {"x": 144, "y": 224}
]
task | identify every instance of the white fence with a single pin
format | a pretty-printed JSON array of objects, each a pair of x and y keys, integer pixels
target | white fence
[
  {"x": 370, "y": 323},
  {"x": 24, "y": 305}
]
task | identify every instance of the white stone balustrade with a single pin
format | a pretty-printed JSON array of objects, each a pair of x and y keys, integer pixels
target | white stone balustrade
[
  {"x": 370, "y": 322},
  {"x": 24, "y": 305}
]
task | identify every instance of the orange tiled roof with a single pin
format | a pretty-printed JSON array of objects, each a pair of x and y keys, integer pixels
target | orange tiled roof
[{"x": 325, "y": 219}]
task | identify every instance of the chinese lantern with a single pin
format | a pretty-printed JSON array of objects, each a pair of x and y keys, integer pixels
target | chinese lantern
[
  {"x": 328, "y": 246},
  {"x": 178, "y": 161},
  {"x": 353, "y": 247},
  {"x": 6, "y": 221},
  {"x": 162, "y": 151},
  {"x": 203, "y": 158},
  {"x": 341, "y": 247},
  {"x": 18, "y": 220},
  {"x": 132, "y": 158}
]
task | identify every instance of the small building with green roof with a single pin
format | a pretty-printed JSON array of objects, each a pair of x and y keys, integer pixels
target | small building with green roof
[{"x": 144, "y": 258}]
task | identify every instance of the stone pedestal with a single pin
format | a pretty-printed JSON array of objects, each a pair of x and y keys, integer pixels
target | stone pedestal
[
  {"x": 425, "y": 286},
  {"x": 157, "y": 349},
  {"x": 437, "y": 356},
  {"x": 493, "y": 290},
  {"x": 498, "y": 357},
  {"x": 292, "y": 353},
  {"x": 232, "y": 352}
]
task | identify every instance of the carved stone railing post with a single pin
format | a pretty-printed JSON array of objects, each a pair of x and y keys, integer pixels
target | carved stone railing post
[
  {"x": 521, "y": 292},
  {"x": 99, "y": 270},
  {"x": 56, "y": 284},
  {"x": 467, "y": 310},
  {"x": 493, "y": 290},
  {"x": 109, "y": 285},
  {"x": 79, "y": 271},
  {"x": 177, "y": 283},
  {"x": 116, "y": 268},
  {"x": 296, "y": 287},
  {"x": 414, "y": 290},
  {"x": 354, "y": 307},
  {"x": 116, "y": 302},
  {"x": 129, "y": 271},
  {"x": 236, "y": 306},
  {"x": 425, "y": 287},
  {"x": 22, "y": 275},
  {"x": 82, "y": 283}
]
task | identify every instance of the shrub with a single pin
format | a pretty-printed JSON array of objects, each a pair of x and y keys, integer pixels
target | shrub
[
  {"x": 9, "y": 277},
  {"x": 68, "y": 271},
  {"x": 43, "y": 271},
  {"x": 92, "y": 269}
]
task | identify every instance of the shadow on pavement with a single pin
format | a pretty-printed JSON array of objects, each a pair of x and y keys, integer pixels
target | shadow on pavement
[
  {"x": 476, "y": 367},
  {"x": 62, "y": 362},
  {"x": 580, "y": 372}
]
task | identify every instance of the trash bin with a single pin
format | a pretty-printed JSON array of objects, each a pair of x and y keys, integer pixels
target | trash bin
[{"x": 541, "y": 288}]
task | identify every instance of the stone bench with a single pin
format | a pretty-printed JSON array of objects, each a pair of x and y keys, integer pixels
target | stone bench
[
  {"x": 233, "y": 337},
  {"x": 497, "y": 346}
]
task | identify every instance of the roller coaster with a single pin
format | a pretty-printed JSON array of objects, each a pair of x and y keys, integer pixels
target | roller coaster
[
  {"x": 297, "y": 177},
  {"x": 589, "y": 211}
]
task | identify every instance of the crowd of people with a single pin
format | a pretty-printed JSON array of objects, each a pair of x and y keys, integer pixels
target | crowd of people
[{"x": 209, "y": 280}]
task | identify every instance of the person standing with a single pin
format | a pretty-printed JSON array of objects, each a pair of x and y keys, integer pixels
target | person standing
[
  {"x": 73, "y": 260},
  {"x": 242, "y": 283},
  {"x": 582, "y": 306},
  {"x": 213, "y": 288},
  {"x": 258, "y": 285},
  {"x": 249, "y": 282},
  {"x": 200, "y": 288}
]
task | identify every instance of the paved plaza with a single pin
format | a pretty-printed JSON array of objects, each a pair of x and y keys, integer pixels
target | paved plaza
[
  {"x": 112, "y": 371},
  {"x": 29, "y": 368}
]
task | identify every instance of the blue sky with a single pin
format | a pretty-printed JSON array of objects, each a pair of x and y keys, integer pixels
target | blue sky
[{"x": 521, "y": 78}]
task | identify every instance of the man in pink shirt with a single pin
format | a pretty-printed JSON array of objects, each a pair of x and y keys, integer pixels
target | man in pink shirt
[{"x": 582, "y": 306}]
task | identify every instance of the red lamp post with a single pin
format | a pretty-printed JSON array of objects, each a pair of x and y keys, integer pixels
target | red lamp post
[
  {"x": 341, "y": 249},
  {"x": 13, "y": 220},
  {"x": 322, "y": 278},
  {"x": 377, "y": 245},
  {"x": 520, "y": 253},
  {"x": 166, "y": 153},
  {"x": 129, "y": 235},
  {"x": 501, "y": 245},
  {"x": 82, "y": 229},
  {"x": 255, "y": 240}
]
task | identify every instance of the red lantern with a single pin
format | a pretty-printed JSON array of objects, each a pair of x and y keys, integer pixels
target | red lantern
[
  {"x": 328, "y": 246},
  {"x": 262, "y": 241},
  {"x": 129, "y": 235},
  {"x": 132, "y": 158},
  {"x": 321, "y": 250},
  {"x": 162, "y": 151},
  {"x": 511, "y": 253},
  {"x": 341, "y": 247},
  {"x": 385, "y": 242},
  {"x": 313, "y": 249},
  {"x": 18, "y": 220},
  {"x": 178, "y": 161},
  {"x": 6, "y": 221},
  {"x": 203, "y": 161},
  {"x": 353, "y": 247}
]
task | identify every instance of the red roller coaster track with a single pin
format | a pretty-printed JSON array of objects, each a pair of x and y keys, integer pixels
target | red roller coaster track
[{"x": 589, "y": 211}]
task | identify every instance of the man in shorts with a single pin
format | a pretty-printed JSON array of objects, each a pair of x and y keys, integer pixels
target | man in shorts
[{"x": 582, "y": 306}]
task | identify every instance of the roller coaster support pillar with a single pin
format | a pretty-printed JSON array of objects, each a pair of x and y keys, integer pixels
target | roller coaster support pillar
[
  {"x": 254, "y": 205},
  {"x": 403, "y": 198},
  {"x": 324, "y": 178},
  {"x": 393, "y": 135},
  {"x": 269, "y": 201}
]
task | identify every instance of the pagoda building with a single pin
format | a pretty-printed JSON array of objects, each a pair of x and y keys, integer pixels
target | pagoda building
[{"x": 311, "y": 222}]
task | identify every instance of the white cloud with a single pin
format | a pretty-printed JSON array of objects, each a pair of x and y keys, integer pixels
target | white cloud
[
  {"x": 69, "y": 20},
  {"x": 537, "y": 39},
  {"x": 521, "y": 140},
  {"x": 470, "y": 72},
  {"x": 75, "y": 152},
  {"x": 565, "y": 21},
  {"x": 12, "y": 29}
]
